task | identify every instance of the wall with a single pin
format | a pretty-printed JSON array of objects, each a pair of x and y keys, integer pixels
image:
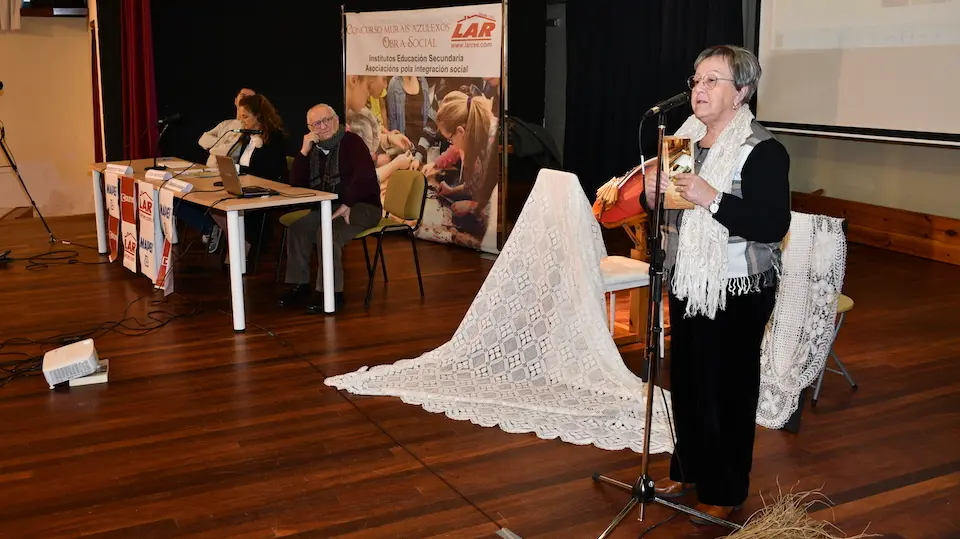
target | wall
[
  {"x": 908, "y": 177},
  {"x": 47, "y": 108},
  {"x": 555, "y": 89}
]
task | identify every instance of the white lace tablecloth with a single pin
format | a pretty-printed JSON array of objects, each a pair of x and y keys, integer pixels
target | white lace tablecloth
[{"x": 533, "y": 353}]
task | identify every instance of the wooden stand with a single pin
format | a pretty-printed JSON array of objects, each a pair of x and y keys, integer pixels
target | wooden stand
[{"x": 636, "y": 229}]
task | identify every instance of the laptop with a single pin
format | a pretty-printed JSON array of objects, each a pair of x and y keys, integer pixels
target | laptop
[{"x": 231, "y": 181}]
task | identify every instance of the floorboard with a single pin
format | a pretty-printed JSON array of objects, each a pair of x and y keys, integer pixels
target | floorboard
[{"x": 205, "y": 433}]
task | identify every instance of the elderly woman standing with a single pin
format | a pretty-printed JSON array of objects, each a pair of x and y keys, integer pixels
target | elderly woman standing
[{"x": 722, "y": 263}]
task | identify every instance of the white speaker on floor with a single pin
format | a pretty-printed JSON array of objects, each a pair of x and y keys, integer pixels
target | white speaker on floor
[{"x": 69, "y": 362}]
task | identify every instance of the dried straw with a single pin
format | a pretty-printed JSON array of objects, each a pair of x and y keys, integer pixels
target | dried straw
[{"x": 788, "y": 518}]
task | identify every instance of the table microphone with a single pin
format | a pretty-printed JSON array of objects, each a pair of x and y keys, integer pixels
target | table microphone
[
  {"x": 668, "y": 104},
  {"x": 248, "y": 131}
]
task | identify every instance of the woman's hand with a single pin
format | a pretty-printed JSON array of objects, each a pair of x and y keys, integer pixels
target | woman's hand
[
  {"x": 444, "y": 190},
  {"x": 403, "y": 161},
  {"x": 399, "y": 140},
  {"x": 257, "y": 141},
  {"x": 650, "y": 184},
  {"x": 463, "y": 208},
  {"x": 429, "y": 170},
  {"x": 694, "y": 189}
]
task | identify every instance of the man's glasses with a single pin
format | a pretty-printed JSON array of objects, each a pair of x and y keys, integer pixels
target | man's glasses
[
  {"x": 322, "y": 121},
  {"x": 709, "y": 81}
]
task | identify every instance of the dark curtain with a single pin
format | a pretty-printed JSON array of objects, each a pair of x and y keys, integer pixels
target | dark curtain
[
  {"x": 137, "y": 80},
  {"x": 203, "y": 56},
  {"x": 205, "y": 52},
  {"x": 111, "y": 69},
  {"x": 622, "y": 58}
]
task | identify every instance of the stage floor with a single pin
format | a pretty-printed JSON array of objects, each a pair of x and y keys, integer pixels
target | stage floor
[{"x": 204, "y": 433}]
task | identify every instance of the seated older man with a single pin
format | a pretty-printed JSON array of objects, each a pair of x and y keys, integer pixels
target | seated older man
[{"x": 334, "y": 161}]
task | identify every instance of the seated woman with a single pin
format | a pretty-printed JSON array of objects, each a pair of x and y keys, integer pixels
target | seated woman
[
  {"x": 221, "y": 138},
  {"x": 260, "y": 155}
]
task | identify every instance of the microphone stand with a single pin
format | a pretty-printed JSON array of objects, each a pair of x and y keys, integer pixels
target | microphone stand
[
  {"x": 157, "y": 150},
  {"x": 642, "y": 491},
  {"x": 16, "y": 170}
]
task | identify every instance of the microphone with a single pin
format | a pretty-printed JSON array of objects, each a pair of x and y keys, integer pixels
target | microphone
[
  {"x": 169, "y": 119},
  {"x": 668, "y": 104},
  {"x": 248, "y": 131}
]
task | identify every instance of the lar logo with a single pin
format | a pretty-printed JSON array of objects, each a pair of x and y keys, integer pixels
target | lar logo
[
  {"x": 146, "y": 205},
  {"x": 130, "y": 243},
  {"x": 474, "y": 28}
]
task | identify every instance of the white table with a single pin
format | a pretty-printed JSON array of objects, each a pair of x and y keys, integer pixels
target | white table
[{"x": 234, "y": 209}]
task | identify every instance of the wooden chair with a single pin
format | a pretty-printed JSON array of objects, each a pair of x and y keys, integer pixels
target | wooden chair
[{"x": 622, "y": 273}]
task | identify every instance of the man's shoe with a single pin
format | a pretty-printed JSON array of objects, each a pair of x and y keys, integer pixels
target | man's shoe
[
  {"x": 294, "y": 296},
  {"x": 316, "y": 303},
  {"x": 722, "y": 512},
  {"x": 668, "y": 488},
  {"x": 213, "y": 240}
]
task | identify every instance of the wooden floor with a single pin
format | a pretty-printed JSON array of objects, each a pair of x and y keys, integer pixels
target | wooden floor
[{"x": 205, "y": 433}]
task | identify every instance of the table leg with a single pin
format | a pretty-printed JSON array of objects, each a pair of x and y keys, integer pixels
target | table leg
[
  {"x": 101, "y": 213},
  {"x": 243, "y": 242},
  {"x": 237, "y": 254},
  {"x": 326, "y": 254}
]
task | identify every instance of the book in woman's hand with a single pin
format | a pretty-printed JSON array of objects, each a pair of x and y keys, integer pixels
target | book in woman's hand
[{"x": 678, "y": 152}]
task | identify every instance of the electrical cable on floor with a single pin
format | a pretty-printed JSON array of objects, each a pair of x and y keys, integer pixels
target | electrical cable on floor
[
  {"x": 129, "y": 326},
  {"x": 283, "y": 342},
  {"x": 657, "y": 525}
]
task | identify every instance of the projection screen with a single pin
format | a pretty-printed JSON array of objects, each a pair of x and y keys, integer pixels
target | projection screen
[{"x": 874, "y": 69}]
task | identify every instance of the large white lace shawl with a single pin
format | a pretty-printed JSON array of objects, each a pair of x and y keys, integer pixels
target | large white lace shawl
[
  {"x": 801, "y": 329},
  {"x": 533, "y": 353}
]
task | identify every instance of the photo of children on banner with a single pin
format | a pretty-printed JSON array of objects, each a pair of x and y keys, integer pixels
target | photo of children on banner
[{"x": 434, "y": 125}]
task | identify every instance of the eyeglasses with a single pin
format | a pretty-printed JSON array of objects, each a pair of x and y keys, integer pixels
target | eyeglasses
[
  {"x": 322, "y": 121},
  {"x": 709, "y": 81}
]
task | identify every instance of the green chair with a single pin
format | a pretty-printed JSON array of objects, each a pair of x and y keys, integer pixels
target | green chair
[
  {"x": 286, "y": 220},
  {"x": 405, "y": 199}
]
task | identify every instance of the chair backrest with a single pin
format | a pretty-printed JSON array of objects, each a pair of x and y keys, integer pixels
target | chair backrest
[{"x": 406, "y": 195}]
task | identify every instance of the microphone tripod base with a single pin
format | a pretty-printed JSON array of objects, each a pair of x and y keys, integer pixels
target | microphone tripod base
[
  {"x": 642, "y": 492},
  {"x": 157, "y": 167}
]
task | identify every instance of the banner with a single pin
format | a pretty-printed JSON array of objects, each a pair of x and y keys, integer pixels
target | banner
[
  {"x": 111, "y": 183},
  {"x": 165, "y": 272},
  {"x": 423, "y": 91},
  {"x": 128, "y": 221},
  {"x": 169, "y": 226},
  {"x": 151, "y": 235},
  {"x": 167, "y": 219}
]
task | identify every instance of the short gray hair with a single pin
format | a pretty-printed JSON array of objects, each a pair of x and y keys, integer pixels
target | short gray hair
[
  {"x": 743, "y": 64},
  {"x": 323, "y": 106}
]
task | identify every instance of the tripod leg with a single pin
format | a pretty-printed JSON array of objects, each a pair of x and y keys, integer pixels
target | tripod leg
[
  {"x": 619, "y": 484},
  {"x": 616, "y": 521}
]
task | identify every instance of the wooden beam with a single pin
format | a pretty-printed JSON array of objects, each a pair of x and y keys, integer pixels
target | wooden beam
[
  {"x": 22, "y": 212},
  {"x": 928, "y": 236}
]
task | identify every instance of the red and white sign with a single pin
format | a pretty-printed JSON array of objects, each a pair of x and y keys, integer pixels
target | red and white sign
[
  {"x": 128, "y": 221},
  {"x": 151, "y": 235}
]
